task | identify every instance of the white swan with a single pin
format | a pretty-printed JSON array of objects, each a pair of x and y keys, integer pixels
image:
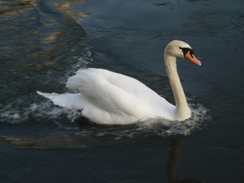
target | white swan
[{"x": 107, "y": 97}]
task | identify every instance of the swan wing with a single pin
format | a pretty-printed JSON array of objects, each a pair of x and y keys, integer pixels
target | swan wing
[
  {"x": 123, "y": 82},
  {"x": 110, "y": 98},
  {"x": 118, "y": 101}
]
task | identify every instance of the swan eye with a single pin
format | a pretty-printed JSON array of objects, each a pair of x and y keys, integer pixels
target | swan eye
[{"x": 186, "y": 50}]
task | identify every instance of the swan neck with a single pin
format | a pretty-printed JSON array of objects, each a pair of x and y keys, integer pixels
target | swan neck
[{"x": 182, "y": 109}]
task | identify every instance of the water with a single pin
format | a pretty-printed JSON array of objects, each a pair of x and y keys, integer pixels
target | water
[{"x": 45, "y": 42}]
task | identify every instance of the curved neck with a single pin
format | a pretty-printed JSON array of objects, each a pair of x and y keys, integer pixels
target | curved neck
[{"x": 182, "y": 109}]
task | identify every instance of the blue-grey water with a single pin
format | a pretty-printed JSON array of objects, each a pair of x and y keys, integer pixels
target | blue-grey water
[{"x": 42, "y": 43}]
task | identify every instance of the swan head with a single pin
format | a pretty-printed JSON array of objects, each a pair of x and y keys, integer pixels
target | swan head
[{"x": 181, "y": 49}]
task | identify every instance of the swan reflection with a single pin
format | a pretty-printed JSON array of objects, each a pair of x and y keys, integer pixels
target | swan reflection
[{"x": 174, "y": 157}]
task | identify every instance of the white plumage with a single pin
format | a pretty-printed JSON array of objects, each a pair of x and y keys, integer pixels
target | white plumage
[{"x": 107, "y": 97}]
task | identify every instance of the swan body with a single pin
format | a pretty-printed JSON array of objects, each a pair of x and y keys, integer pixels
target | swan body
[{"x": 106, "y": 97}]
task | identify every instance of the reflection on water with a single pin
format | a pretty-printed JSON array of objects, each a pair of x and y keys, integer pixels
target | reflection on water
[
  {"x": 77, "y": 15},
  {"x": 39, "y": 47},
  {"x": 63, "y": 140},
  {"x": 174, "y": 157},
  {"x": 173, "y": 162},
  {"x": 69, "y": 4}
]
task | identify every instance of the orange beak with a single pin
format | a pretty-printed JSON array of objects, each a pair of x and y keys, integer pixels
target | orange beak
[{"x": 192, "y": 58}]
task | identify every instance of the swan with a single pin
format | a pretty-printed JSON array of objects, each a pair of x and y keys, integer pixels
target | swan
[{"x": 106, "y": 97}]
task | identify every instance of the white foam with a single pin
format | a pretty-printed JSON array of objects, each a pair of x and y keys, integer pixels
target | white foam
[{"x": 161, "y": 127}]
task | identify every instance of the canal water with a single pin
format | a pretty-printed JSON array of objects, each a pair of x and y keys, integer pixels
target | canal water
[{"x": 43, "y": 43}]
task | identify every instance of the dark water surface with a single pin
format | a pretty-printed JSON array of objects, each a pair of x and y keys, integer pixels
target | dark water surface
[{"x": 42, "y": 43}]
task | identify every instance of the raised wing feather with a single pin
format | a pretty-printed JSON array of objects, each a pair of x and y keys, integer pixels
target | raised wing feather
[{"x": 111, "y": 92}]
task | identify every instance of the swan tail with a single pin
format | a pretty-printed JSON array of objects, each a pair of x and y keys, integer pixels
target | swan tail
[
  {"x": 50, "y": 96},
  {"x": 77, "y": 102},
  {"x": 66, "y": 100}
]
